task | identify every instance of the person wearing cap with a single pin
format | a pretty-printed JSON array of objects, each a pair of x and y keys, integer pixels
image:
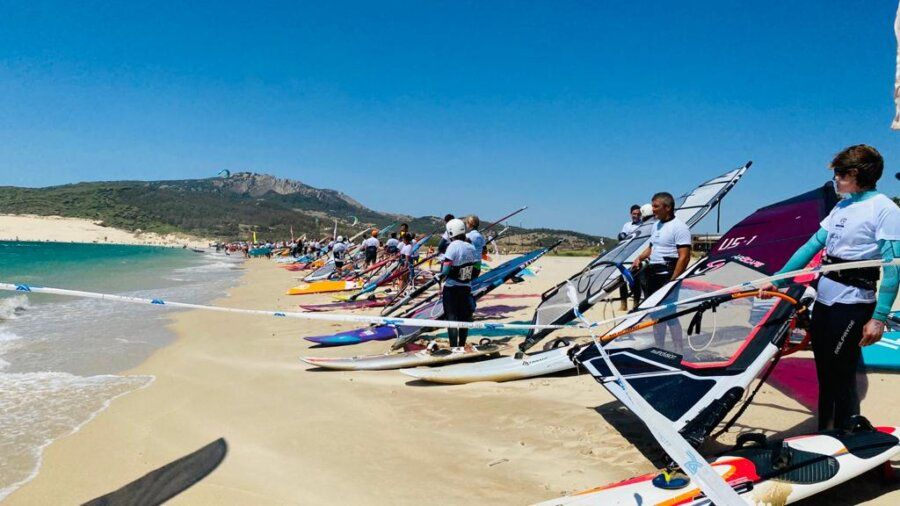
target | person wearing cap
[
  {"x": 850, "y": 308},
  {"x": 668, "y": 253},
  {"x": 370, "y": 248},
  {"x": 629, "y": 228},
  {"x": 445, "y": 239},
  {"x": 339, "y": 253},
  {"x": 460, "y": 266},
  {"x": 474, "y": 236}
]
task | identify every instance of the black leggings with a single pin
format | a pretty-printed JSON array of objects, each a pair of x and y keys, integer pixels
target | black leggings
[
  {"x": 836, "y": 331},
  {"x": 459, "y": 306}
]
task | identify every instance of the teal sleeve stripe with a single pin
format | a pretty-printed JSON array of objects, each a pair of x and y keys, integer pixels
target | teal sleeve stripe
[
  {"x": 890, "y": 280},
  {"x": 803, "y": 255}
]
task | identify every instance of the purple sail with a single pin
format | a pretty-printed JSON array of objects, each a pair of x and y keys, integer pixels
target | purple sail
[
  {"x": 355, "y": 336},
  {"x": 387, "y": 332}
]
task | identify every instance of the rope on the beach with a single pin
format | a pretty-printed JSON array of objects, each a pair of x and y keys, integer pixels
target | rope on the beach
[
  {"x": 363, "y": 319},
  {"x": 422, "y": 322}
]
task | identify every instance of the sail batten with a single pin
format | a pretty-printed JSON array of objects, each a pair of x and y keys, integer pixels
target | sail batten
[{"x": 603, "y": 276}]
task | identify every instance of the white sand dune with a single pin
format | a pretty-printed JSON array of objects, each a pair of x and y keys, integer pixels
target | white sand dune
[{"x": 60, "y": 229}]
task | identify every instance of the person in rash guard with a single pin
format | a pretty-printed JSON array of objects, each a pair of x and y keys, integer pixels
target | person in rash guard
[
  {"x": 627, "y": 229},
  {"x": 392, "y": 245},
  {"x": 848, "y": 313},
  {"x": 445, "y": 239},
  {"x": 460, "y": 266},
  {"x": 339, "y": 254},
  {"x": 474, "y": 236},
  {"x": 669, "y": 252},
  {"x": 370, "y": 247}
]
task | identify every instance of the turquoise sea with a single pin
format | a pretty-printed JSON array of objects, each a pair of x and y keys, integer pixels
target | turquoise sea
[{"x": 62, "y": 358}]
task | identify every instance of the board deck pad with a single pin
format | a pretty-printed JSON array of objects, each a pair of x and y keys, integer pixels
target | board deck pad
[{"x": 777, "y": 472}]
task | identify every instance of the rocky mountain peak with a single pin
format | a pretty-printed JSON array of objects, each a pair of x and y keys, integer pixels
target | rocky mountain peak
[{"x": 257, "y": 185}]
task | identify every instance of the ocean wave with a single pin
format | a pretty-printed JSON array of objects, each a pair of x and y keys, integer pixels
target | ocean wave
[
  {"x": 51, "y": 405},
  {"x": 7, "y": 336},
  {"x": 12, "y": 307},
  {"x": 211, "y": 267},
  {"x": 6, "y": 343}
]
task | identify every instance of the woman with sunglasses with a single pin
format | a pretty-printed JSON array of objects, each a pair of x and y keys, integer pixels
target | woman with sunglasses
[{"x": 848, "y": 312}]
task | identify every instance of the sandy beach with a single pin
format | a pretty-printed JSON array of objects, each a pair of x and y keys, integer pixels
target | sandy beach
[
  {"x": 301, "y": 436},
  {"x": 25, "y": 227}
]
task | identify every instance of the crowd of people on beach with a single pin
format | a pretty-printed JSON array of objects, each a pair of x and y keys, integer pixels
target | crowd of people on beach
[
  {"x": 459, "y": 253},
  {"x": 851, "y": 307}
]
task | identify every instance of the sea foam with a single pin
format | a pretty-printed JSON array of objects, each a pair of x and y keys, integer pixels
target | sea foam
[
  {"x": 12, "y": 307},
  {"x": 50, "y": 405}
]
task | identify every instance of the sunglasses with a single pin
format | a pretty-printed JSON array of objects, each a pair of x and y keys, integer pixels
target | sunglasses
[{"x": 843, "y": 171}]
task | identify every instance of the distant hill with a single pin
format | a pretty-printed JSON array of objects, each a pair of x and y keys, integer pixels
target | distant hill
[{"x": 232, "y": 207}]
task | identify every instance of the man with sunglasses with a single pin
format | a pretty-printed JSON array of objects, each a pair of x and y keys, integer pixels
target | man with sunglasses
[{"x": 850, "y": 309}]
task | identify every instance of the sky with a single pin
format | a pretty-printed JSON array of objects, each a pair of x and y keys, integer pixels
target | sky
[{"x": 575, "y": 109}]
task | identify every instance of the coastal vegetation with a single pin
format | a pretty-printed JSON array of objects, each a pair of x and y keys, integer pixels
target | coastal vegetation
[{"x": 233, "y": 207}]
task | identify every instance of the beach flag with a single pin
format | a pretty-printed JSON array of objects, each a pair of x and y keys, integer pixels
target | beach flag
[
  {"x": 896, "y": 124},
  {"x": 254, "y": 236},
  {"x": 292, "y": 233}
]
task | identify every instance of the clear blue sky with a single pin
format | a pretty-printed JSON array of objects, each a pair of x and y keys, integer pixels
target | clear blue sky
[{"x": 577, "y": 109}]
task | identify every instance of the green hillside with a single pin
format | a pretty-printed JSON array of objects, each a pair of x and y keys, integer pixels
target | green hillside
[{"x": 230, "y": 209}]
